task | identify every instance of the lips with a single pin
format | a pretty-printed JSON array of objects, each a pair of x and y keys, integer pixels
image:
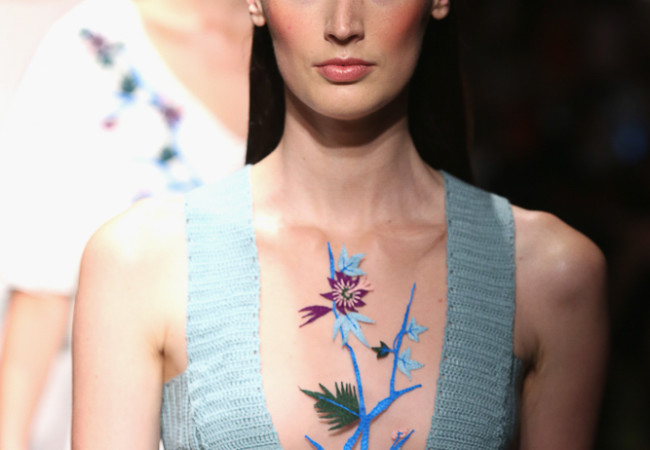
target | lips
[{"x": 347, "y": 70}]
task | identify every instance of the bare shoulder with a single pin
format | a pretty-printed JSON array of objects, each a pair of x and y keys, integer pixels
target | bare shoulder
[
  {"x": 128, "y": 314},
  {"x": 139, "y": 231},
  {"x": 135, "y": 263},
  {"x": 561, "y": 330},
  {"x": 560, "y": 273},
  {"x": 552, "y": 253}
]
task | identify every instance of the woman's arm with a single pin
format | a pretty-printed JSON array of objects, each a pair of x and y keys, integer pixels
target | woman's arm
[
  {"x": 123, "y": 314},
  {"x": 45, "y": 133},
  {"x": 35, "y": 332},
  {"x": 561, "y": 331}
]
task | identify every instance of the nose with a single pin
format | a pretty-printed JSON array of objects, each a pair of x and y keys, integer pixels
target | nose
[{"x": 344, "y": 22}]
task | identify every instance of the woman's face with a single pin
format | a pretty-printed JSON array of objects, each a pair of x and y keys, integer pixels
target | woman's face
[{"x": 346, "y": 59}]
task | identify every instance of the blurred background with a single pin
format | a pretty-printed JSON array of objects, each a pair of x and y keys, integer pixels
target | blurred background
[
  {"x": 23, "y": 23},
  {"x": 561, "y": 103}
]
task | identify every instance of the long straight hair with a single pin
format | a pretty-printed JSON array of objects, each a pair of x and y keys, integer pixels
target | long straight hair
[{"x": 437, "y": 104}]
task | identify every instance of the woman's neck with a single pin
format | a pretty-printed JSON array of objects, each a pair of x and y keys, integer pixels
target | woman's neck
[
  {"x": 206, "y": 45},
  {"x": 343, "y": 174}
]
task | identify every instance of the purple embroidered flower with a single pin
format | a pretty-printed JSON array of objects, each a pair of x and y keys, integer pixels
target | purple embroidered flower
[
  {"x": 313, "y": 312},
  {"x": 347, "y": 292},
  {"x": 349, "y": 285},
  {"x": 172, "y": 115}
]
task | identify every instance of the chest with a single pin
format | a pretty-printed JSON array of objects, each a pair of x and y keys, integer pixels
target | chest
[
  {"x": 388, "y": 306},
  {"x": 249, "y": 358}
]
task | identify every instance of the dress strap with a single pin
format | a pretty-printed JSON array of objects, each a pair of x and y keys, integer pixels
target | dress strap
[
  {"x": 224, "y": 375},
  {"x": 476, "y": 398}
]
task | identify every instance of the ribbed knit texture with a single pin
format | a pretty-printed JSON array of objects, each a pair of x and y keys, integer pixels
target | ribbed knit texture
[
  {"x": 218, "y": 402},
  {"x": 226, "y": 404},
  {"x": 475, "y": 406}
]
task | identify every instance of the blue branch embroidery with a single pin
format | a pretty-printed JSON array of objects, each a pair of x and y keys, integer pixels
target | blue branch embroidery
[{"x": 347, "y": 405}]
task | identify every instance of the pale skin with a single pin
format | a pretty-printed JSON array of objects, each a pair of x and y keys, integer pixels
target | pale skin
[
  {"x": 345, "y": 171},
  {"x": 206, "y": 45},
  {"x": 36, "y": 326}
]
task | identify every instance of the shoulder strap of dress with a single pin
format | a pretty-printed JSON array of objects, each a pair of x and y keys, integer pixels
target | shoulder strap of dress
[
  {"x": 476, "y": 401},
  {"x": 224, "y": 378}
]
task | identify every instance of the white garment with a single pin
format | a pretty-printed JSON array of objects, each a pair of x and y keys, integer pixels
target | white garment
[{"x": 63, "y": 172}]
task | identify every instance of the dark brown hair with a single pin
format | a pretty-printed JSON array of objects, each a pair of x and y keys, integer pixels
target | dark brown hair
[{"x": 437, "y": 103}]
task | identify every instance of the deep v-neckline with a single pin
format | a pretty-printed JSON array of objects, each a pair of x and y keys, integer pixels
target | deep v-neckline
[
  {"x": 258, "y": 306},
  {"x": 219, "y": 399}
]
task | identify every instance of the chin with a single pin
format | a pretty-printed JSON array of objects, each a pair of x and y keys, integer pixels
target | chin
[
  {"x": 362, "y": 112},
  {"x": 352, "y": 108},
  {"x": 348, "y": 114},
  {"x": 344, "y": 103}
]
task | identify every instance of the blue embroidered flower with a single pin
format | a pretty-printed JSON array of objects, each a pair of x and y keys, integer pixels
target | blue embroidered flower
[
  {"x": 413, "y": 330},
  {"x": 350, "y": 265},
  {"x": 350, "y": 322},
  {"x": 405, "y": 364}
]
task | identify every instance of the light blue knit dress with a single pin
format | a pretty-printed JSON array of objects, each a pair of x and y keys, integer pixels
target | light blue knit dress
[{"x": 218, "y": 402}]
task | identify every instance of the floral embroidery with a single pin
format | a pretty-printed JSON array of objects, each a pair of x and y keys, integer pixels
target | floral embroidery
[
  {"x": 350, "y": 265},
  {"x": 341, "y": 409},
  {"x": 132, "y": 90},
  {"x": 349, "y": 286},
  {"x": 405, "y": 364},
  {"x": 414, "y": 330},
  {"x": 347, "y": 292},
  {"x": 104, "y": 50},
  {"x": 350, "y": 322},
  {"x": 346, "y": 406}
]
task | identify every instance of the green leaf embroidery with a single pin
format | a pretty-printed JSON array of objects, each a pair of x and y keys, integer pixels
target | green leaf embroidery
[
  {"x": 341, "y": 409},
  {"x": 129, "y": 84},
  {"x": 382, "y": 351}
]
